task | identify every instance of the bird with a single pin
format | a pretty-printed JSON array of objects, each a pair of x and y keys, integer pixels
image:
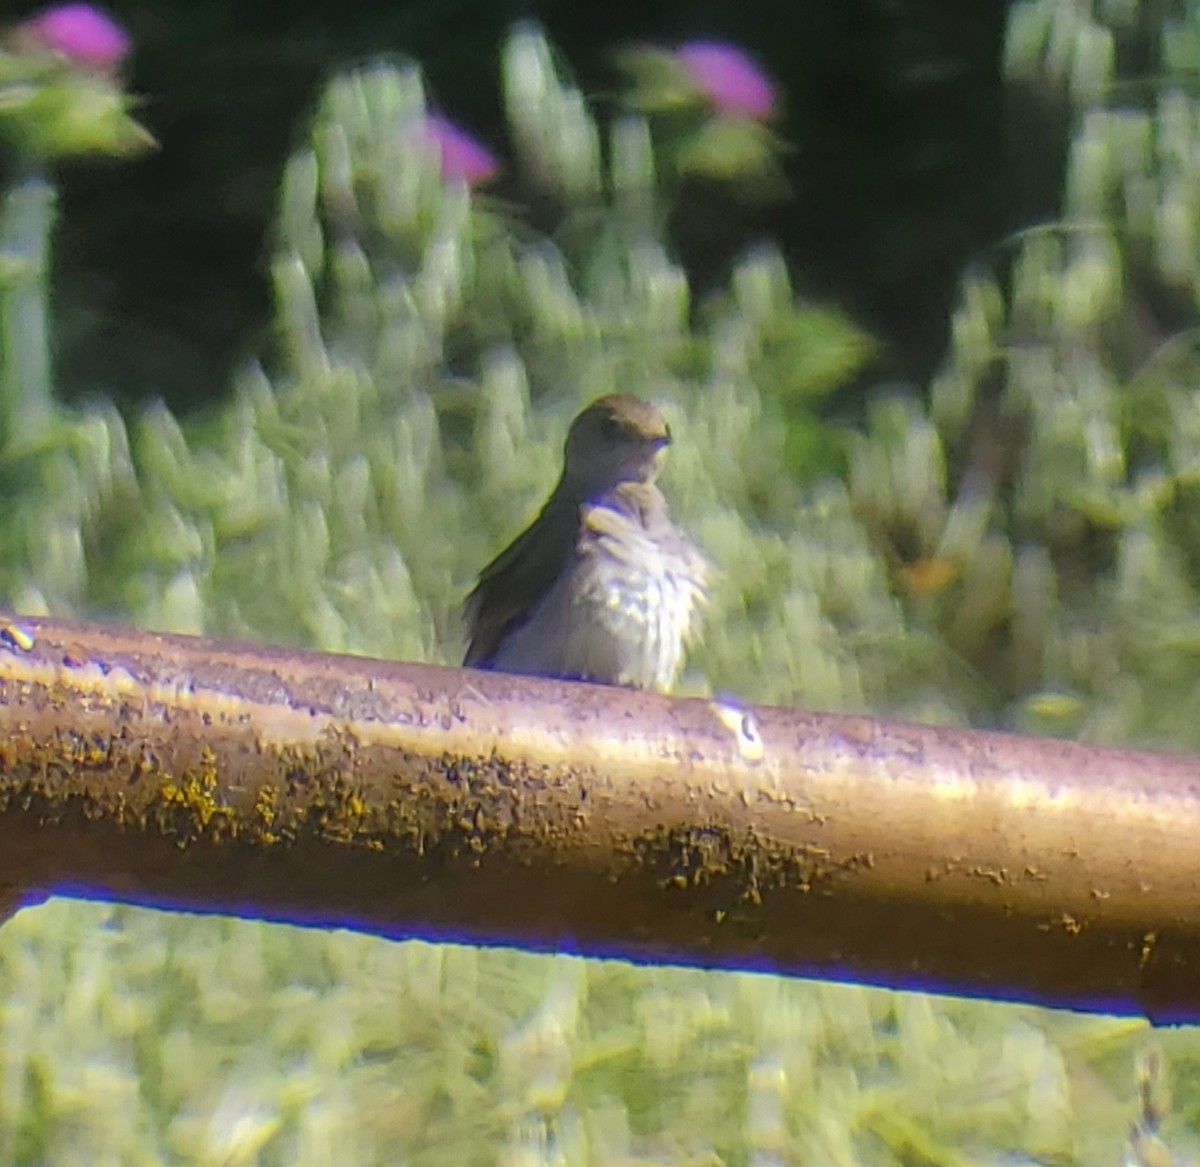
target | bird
[{"x": 602, "y": 586}]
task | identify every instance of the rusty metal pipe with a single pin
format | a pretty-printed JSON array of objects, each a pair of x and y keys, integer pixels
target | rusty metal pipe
[{"x": 416, "y": 800}]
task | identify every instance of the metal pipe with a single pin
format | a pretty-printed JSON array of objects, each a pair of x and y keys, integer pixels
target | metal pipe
[{"x": 412, "y": 800}]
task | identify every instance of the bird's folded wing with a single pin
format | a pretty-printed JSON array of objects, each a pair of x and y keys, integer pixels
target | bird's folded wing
[{"x": 511, "y": 586}]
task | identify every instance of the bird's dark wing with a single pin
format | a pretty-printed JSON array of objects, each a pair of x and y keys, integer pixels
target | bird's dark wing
[{"x": 512, "y": 584}]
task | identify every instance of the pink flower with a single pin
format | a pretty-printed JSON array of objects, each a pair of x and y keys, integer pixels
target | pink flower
[
  {"x": 462, "y": 157},
  {"x": 80, "y": 32},
  {"x": 728, "y": 78}
]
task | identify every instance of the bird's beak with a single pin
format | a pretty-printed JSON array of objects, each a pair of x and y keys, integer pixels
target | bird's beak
[{"x": 662, "y": 441}]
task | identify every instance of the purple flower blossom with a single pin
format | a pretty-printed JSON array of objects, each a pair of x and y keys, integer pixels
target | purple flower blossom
[
  {"x": 80, "y": 32},
  {"x": 462, "y": 157},
  {"x": 728, "y": 78}
]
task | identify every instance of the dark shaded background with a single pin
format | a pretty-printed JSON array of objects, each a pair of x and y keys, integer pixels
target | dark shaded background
[{"x": 907, "y": 164}]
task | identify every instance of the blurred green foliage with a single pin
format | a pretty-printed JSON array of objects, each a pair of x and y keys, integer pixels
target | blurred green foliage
[
  {"x": 1015, "y": 547},
  {"x": 140, "y": 1037},
  {"x": 51, "y": 107}
]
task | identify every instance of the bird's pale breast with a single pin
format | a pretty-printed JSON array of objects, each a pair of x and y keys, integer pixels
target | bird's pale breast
[{"x": 623, "y": 611}]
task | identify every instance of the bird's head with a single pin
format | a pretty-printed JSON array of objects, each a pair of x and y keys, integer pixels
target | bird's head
[{"x": 615, "y": 439}]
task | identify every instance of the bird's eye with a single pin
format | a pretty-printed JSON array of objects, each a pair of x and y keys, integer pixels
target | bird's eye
[{"x": 611, "y": 429}]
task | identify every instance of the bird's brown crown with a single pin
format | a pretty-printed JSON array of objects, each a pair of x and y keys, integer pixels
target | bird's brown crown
[{"x": 616, "y": 439}]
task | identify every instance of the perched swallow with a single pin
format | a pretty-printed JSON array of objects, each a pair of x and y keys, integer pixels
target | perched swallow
[{"x": 602, "y": 586}]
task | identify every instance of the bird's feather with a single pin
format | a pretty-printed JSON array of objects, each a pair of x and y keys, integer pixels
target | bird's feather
[{"x": 511, "y": 586}]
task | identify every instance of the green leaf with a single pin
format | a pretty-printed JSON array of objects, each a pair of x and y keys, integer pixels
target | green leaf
[
  {"x": 809, "y": 352},
  {"x": 71, "y": 114}
]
